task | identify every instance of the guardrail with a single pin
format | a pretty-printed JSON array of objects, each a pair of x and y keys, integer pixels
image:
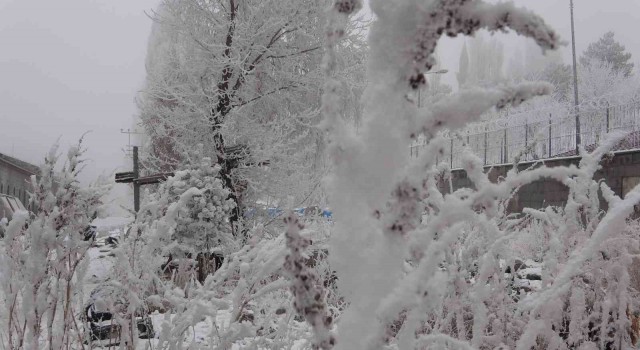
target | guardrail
[{"x": 545, "y": 138}]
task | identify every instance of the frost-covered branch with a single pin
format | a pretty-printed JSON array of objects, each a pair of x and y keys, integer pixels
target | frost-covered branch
[{"x": 309, "y": 297}]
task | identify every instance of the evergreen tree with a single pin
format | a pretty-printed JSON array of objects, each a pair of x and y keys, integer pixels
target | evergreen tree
[
  {"x": 195, "y": 203},
  {"x": 608, "y": 50},
  {"x": 560, "y": 75}
]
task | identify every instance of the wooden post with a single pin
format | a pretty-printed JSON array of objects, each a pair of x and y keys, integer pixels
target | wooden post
[
  {"x": 136, "y": 186},
  {"x": 134, "y": 177}
]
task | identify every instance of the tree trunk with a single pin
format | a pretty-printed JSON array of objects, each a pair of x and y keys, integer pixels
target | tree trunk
[{"x": 227, "y": 180}]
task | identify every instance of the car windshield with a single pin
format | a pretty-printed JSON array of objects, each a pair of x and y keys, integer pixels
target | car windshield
[{"x": 9, "y": 205}]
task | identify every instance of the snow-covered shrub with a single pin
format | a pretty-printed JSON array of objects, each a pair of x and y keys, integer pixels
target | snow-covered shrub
[
  {"x": 244, "y": 303},
  {"x": 421, "y": 268},
  {"x": 309, "y": 296},
  {"x": 188, "y": 215},
  {"x": 587, "y": 260},
  {"x": 184, "y": 220},
  {"x": 43, "y": 258}
]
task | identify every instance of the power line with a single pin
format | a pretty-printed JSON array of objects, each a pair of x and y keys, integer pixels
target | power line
[{"x": 129, "y": 132}]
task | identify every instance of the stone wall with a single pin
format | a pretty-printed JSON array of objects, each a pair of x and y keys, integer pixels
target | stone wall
[{"x": 620, "y": 173}]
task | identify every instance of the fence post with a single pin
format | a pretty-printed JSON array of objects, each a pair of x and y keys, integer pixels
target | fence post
[
  {"x": 506, "y": 149},
  {"x": 607, "y": 117},
  {"x": 451, "y": 154},
  {"x": 485, "y": 145},
  {"x": 549, "y": 154},
  {"x": 526, "y": 141}
]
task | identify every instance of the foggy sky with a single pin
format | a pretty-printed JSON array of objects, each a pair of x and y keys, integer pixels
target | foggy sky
[
  {"x": 70, "y": 66},
  {"x": 593, "y": 18}
]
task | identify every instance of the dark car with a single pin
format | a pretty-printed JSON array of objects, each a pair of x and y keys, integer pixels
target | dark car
[{"x": 105, "y": 304}]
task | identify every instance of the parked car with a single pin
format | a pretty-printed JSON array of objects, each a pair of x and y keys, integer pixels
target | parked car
[
  {"x": 9, "y": 205},
  {"x": 89, "y": 233},
  {"x": 105, "y": 303}
]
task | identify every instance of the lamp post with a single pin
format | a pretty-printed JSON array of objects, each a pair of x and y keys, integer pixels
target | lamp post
[
  {"x": 441, "y": 71},
  {"x": 575, "y": 79}
]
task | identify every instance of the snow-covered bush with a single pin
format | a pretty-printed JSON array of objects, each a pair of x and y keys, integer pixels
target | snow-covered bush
[
  {"x": 420, "y": 267},
  {"x": 187, "y": 216},
  {"x": 245, "y": 303},
  {"x": 43, "y": 259}
]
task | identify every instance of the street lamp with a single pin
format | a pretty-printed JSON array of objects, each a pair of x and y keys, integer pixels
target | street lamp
[
  {"x": 575, "y": 79},
  {"x": 441, "y": 71}
]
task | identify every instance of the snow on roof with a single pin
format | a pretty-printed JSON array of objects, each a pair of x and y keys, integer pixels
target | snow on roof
[{"x": 22, "y": 165}]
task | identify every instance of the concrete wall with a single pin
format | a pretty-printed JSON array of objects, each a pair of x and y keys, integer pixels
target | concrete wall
[{"x": 620, "y": 173}]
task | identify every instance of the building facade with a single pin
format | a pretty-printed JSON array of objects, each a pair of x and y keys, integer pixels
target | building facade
[{"x": 15, "y": 177}]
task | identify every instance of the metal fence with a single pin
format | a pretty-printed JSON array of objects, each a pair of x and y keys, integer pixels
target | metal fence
[{"x": 548, "y": 137}]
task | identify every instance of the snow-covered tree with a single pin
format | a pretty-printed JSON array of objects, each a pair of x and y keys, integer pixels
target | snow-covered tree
[
  {"x": 485, "y": 60},
  {"x": 558, "y": 74},
  {"x": 43, "y": 259},
  {"x": 202, "y": 225},
  {"x": 463, "y": 69},
  {"x": 608, "y": 50},
  {"x": 601, "y": 85},
  {"x": 240, "y": 77}
]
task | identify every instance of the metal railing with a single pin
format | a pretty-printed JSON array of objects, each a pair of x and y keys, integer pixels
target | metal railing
[{"x": 548, "y": 137}]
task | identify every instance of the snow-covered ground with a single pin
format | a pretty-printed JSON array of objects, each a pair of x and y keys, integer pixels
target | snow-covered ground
[{"x": 100, "y": 255}]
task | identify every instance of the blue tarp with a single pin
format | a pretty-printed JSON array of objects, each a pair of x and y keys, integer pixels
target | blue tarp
[{"x": 275, "y": 212}]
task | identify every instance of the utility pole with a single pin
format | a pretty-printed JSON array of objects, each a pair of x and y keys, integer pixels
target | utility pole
[
  {"x": 575, "y": 79},
  {"x": 134, "y": 177},
  {"x": 136, "y": 184}
]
